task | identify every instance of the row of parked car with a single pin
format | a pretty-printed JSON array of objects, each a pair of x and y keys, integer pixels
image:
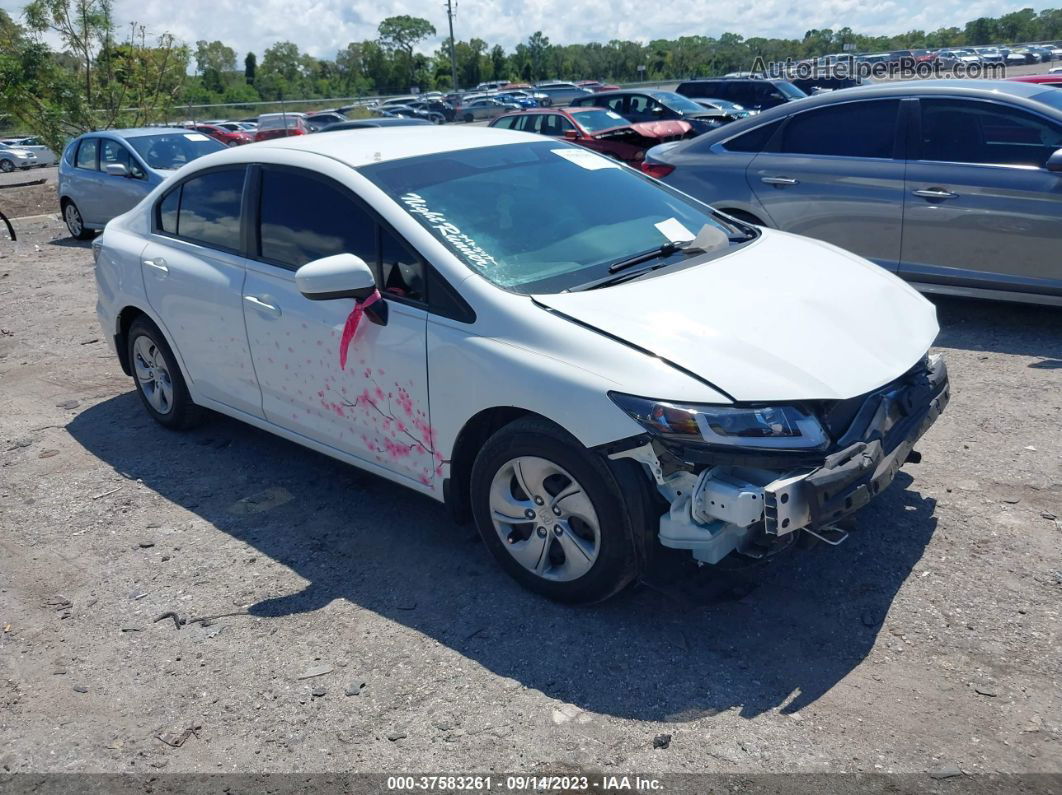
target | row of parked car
[{"x": 1011, "y": 55}]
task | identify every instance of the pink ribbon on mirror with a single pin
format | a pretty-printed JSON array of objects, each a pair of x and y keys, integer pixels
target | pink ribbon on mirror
[{"x": 350, "y": 328}]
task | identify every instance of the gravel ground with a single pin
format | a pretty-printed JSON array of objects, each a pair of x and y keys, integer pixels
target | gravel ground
[
  {"x": 357, "y": 629},
  {"x": 27, "y": 200}
]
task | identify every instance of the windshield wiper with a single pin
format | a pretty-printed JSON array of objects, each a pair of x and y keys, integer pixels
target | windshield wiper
[{"x": 665, "y": 250}]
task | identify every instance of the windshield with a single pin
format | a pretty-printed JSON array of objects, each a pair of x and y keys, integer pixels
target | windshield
[
  {"x": 171, "y": 151},
  {"x": 539, "y": 217},
  {"x": 1052, "y": 96},
  {"x": 677, "y": 102},
  {"x": 597, "y": 119},
  {"x": 789, "y": 90}
]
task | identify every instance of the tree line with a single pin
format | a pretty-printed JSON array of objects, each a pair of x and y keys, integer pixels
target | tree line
[{"x": 106, "y": 75}]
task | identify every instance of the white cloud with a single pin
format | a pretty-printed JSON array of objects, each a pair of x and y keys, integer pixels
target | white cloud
[{"x": 321, "y": 27}]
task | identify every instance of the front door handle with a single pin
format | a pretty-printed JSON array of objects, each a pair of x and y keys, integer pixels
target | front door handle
[
  {"x": 159, "y": 264},
  {"x": 779, "y": 181},
  {"x": 262, "y": 306},
  {"x": 935, "y": 193}
]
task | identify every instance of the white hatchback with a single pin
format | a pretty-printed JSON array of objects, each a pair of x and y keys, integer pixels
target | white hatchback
[{"x": 581, "y": 359}]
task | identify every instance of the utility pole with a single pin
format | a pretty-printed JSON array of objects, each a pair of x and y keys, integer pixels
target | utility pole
[{"x": 451, "y": 11}]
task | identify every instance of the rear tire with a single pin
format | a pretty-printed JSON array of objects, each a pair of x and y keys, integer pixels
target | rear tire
[
  {"x": 158, "y": 379},
  {"x": 469, "y": 118},
  {"x": 576, "y": 533},
  {"x": 7, "y": 166}
]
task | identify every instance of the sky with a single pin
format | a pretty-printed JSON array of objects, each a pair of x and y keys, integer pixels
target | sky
[{"x": 321, "y": 27}]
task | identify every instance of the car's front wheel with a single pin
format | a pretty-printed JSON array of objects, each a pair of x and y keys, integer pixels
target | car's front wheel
[
  {"x": 158, "y": 378},
  {"x": 553, "y": 513},
  {"x": 7, "y": 166},
  {"x": 75, "y": 224}
]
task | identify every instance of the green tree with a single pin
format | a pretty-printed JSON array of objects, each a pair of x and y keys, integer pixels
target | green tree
[
  {"x": 250, "y": 65},
  {"x": 402, "y": 34}
]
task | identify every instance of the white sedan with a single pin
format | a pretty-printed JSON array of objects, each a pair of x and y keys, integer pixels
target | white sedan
[{"x": 581, "y": 359}]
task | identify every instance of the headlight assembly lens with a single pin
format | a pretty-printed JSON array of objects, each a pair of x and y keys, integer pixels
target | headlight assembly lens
[{"x": 768, "y": 427}]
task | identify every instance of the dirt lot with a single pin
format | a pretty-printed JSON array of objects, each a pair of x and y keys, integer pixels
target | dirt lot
[
  {"x": 928, "y": 643},
  {"x": 28, "y": 193}
]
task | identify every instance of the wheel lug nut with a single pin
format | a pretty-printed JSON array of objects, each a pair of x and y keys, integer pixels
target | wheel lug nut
[
  {"x": 539, "y": 501},
  {"x": 558, "y": 530},
  {"x": 556, "y": 511},
  {"x": 541, "y": 532},
  {"x": 529, "y": 514}
]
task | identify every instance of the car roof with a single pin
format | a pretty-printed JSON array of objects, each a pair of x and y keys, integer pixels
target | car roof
[
  {"x": 138, "y": 132},
  {"x": 974, "y": 89},
  {"x": 368, "y": 146},
  {"x": 650, "y": 92}
]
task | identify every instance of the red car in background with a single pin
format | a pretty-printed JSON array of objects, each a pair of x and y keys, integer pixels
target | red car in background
[
  {"x": 600, "y": 129},
  {"x": 281, "y": 125},
  {"x": 1043, "y": 80},
  {"x": 227, "y": 137}
]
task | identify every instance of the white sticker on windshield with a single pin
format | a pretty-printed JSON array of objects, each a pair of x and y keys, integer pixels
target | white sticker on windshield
[
  {"x": 612, "y": 114},
  {"x": 196, "y": 137},
  {"x": 585, "y": 159},
  {"x": 674, "y": 231}
]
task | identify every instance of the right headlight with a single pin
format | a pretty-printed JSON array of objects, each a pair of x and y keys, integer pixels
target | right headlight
[{"x": 761, "y": 427}]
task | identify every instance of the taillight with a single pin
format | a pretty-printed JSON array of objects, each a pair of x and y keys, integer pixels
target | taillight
[{"x": 656, "y": 170}]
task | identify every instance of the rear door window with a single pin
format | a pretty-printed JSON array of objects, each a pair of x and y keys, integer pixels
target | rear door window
[
  {"x": 851, "y": 129},
  {"x": 209, "y": 209},
  {"x": 86, "y": 154}
]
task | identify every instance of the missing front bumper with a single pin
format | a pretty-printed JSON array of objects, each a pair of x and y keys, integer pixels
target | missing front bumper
[{"x": 728, "y": 508}]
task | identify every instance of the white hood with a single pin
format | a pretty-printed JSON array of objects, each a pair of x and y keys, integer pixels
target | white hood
[{"x": 784, "y": 318}]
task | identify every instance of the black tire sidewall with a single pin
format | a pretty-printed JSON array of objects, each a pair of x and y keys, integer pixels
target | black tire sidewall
[
  {"x": 184, "y": 412},
  {"x": 84, "y": 234},
  {"x": 617, "y": 562}
]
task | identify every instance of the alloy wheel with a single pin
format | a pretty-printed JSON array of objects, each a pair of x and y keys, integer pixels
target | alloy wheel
[
  {"x": 7, "y": 166},
  {"x": 152, "y": 374},
  {"x": 73, "y": 220},
  {"x": 545, "y": 519}
]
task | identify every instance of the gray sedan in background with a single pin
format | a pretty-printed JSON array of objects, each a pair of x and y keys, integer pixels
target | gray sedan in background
[{"x": 955, "y": 185}]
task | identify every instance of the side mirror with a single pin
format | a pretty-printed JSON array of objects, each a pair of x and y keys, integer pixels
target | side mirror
[
  {"x": 117, "y": 169},
  {"x": 1054, "y": 162},
  {"x": 571, "y": 135},
  {"x": 338, "y": 276}
]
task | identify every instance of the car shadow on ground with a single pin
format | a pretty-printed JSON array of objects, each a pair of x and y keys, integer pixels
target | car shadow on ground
[
  {"x": 692, "y": 643},
  {"x": 999, "y": 327}
]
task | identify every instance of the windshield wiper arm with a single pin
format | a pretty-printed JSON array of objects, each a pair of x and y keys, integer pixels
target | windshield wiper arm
[{"x": 665, "y": 250}]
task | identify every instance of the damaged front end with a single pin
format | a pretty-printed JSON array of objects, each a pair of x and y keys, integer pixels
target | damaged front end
[{"x": 747, "y": 478}]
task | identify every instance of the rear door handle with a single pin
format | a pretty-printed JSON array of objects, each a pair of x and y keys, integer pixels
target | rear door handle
[
  {"x": 158, "y": 263},
  {"x": 780, "y": 181},
  {"x": 935, "y": 193},
  {"x": 262, "y": 306}
]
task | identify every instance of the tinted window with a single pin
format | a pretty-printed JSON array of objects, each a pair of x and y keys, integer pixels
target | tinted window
[
  {"x": 86, "y": 153},
  {"x": 170, "y": 151},
  {"x": 754, "y": 140},
  {"x": 852, "y": 129},
  {"x": 960, "y": 131},
  {"x": 210, "y": 208},
  {"x": 506, "y": 122},
  {"x": 401, "y": 271},
  {"x": 612, "y": 103},
  {"x": 114, "y": 152},
  {"x": 303, "y": 219},
  {"x": 168, "y": 207}
]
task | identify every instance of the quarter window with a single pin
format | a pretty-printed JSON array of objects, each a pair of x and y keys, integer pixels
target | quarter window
[
  {"x": 401, "y": 271},
  {"x": 960, "y": 131},
  {"x": 86, "y": 153},
  {"x": 168, "y": 209},
  {"x": 753, "y": 140},
  {"x": 303, "y": 219},
  {"x": 209, "y": 210},
  {"x": 851, "y": 129}
]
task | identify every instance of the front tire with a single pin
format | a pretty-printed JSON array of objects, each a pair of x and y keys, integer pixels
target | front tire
[
  {"x": 469, "y": 118},
  {"x": 158, "y": 379},
  {"x": 75, "y": 224},
  {"x": 7, "y": 166},
  {"x": 554, "y": 515}
]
